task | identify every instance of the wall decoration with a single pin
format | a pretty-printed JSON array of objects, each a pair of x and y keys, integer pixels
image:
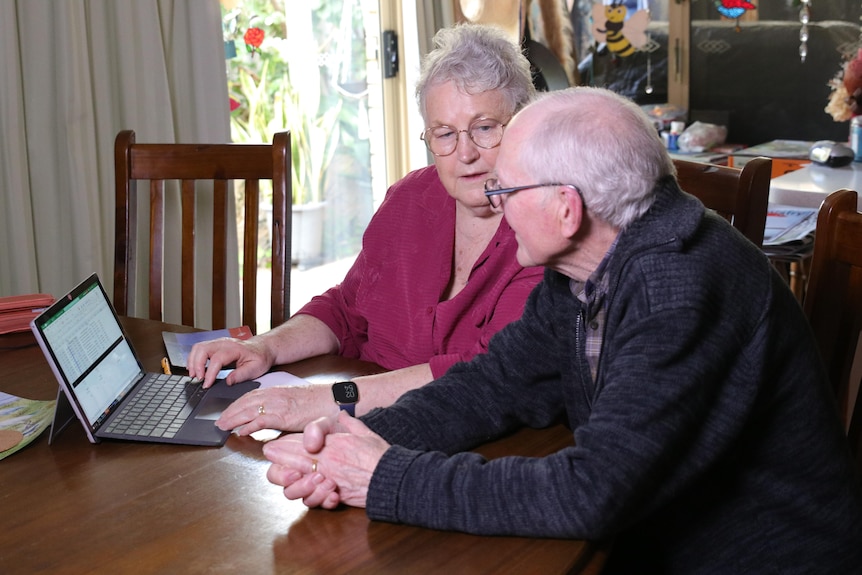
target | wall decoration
[
  {"x": 622, "y": 33},
  {"x": 733, "y": 9}
]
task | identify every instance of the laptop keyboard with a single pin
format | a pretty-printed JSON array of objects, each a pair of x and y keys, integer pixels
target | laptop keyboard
[{"x": 164, "y": 403}]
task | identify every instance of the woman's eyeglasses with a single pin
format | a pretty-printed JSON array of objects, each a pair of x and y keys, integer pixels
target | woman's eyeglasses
[
  {"x": 494, "y": 192},
  {"x": 484, "y": 132}
]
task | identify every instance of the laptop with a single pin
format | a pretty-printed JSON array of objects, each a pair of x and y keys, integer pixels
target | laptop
[{"x": 102, "y": 382}]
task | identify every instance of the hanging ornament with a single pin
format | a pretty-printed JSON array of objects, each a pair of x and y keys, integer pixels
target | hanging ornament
[
  {"x": 622, "y": 35},
  {"x": 734, "y": 9},
  {"x": 804, "y": 17},
  {"x": 649, "y": 88},
  {"x": 649, "y": 47}
]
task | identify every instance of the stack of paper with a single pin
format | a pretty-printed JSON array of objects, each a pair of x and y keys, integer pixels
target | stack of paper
[
  {"x": 17, "y": 311},
  {"x": 789, "y": 229}
]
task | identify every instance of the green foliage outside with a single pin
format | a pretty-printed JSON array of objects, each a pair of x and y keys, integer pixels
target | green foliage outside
[
  {"x": 278, "y": 86},
  {"x": 307, "y": 76}
]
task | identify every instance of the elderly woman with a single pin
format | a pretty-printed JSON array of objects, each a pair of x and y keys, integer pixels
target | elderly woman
[{"x": 437, "y": 275}]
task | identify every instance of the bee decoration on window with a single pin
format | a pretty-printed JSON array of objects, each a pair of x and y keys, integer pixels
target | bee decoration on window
[{"x": 623, "y": 36}]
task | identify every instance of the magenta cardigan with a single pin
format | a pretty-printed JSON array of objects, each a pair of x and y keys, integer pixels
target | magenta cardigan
[{"x": 388, "y": 309}]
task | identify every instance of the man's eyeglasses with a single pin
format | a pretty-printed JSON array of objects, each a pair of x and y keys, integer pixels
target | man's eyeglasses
[
  {"x": 484, "y": 132},
  {"x": 494, "y": 192}
]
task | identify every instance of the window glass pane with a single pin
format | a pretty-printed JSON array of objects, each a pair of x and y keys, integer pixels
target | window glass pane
[
  {"x": 312, "y": 68},
  {"x": 630, "y": 56}
]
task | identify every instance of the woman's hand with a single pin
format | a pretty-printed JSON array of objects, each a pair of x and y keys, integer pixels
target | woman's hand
[
  {"x": 300, "y": 337},
  {"x": 252, "y": 358},
  {"x": 282, "y": 408}
]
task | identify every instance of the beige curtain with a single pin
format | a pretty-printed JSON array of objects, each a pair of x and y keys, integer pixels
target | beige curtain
[{"x": 75, "y": 72}]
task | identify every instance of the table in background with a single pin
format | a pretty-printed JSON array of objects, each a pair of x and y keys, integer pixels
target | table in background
[
  {"x": 787, "y": 155},
  {"x": 809, "y": 186},
  {"x": 75, "y": 507}
]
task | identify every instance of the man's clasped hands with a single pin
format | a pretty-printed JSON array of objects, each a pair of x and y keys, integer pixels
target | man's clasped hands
[{"x": 329, "y": 463}]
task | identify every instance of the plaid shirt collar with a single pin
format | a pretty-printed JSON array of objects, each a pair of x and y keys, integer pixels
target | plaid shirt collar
[{"x": 593, "y": 293}]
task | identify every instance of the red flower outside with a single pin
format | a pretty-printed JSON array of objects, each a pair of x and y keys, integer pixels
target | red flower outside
[{"x": 253, "y": 39}]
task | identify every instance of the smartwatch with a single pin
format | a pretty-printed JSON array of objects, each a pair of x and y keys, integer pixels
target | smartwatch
[{"x": 346, "y": 394}]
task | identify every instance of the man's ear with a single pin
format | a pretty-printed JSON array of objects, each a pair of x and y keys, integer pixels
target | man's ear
[{"x": 571, "y": 211}]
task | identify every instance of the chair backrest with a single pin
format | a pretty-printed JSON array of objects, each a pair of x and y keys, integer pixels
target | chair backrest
[
  {"x": 833, "y": 303},
  {"x": 189, "y": 164},
  {"x": 740, "y": 195}
]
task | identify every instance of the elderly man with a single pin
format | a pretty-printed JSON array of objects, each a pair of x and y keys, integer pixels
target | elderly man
[{"x": 706, "y": 437}]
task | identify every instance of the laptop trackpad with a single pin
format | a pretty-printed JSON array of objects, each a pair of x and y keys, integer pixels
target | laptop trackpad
[
  {"x": 220, "y": 396},
  {"x": 212, "y": 407}
]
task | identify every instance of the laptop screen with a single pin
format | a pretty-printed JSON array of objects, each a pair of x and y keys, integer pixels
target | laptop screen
[{"x": 85, "y": 340}]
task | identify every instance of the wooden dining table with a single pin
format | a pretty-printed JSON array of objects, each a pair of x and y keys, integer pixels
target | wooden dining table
[{"x": 126, "y": 507}]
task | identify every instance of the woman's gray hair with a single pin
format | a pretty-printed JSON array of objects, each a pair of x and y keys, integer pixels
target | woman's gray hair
[
  {"x": 602, "y": 143},
  {"x": 477, "y": 58}
]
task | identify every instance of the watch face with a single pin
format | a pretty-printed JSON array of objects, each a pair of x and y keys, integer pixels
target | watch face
[{"x": 345, "y": 392}]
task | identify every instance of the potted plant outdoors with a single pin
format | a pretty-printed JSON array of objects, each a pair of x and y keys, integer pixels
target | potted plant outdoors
[
  {"x": 314, "y": 140},
  {"x": 275, "y": 103},
  {"x": 314, "y": 133}
]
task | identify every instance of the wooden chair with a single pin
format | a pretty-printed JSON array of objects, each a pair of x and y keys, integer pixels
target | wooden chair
[
  {"x": 190, "y": 165},
  {"x": 833, "y": 303},
  {"x": 739, "y": 194}
]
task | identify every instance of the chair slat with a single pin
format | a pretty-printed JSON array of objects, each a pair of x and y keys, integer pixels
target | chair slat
[
  {"x": 188, "y": 252},
  {"x": 157, "y": 248},
  {"x": 220, "y": 251},
  {"x": 250, "y": 243}
]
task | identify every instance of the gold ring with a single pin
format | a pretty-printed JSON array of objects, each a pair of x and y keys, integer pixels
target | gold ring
[
  {"x": 261, "y": 410},
  {"x": 314, "y": 466}
]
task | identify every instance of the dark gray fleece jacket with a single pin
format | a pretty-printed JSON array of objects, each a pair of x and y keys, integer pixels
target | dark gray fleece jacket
[{"x": 708, "y": 443}]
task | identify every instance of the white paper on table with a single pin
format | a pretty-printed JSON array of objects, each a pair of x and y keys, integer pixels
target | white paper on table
[{"x": 280, "y": 379}]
